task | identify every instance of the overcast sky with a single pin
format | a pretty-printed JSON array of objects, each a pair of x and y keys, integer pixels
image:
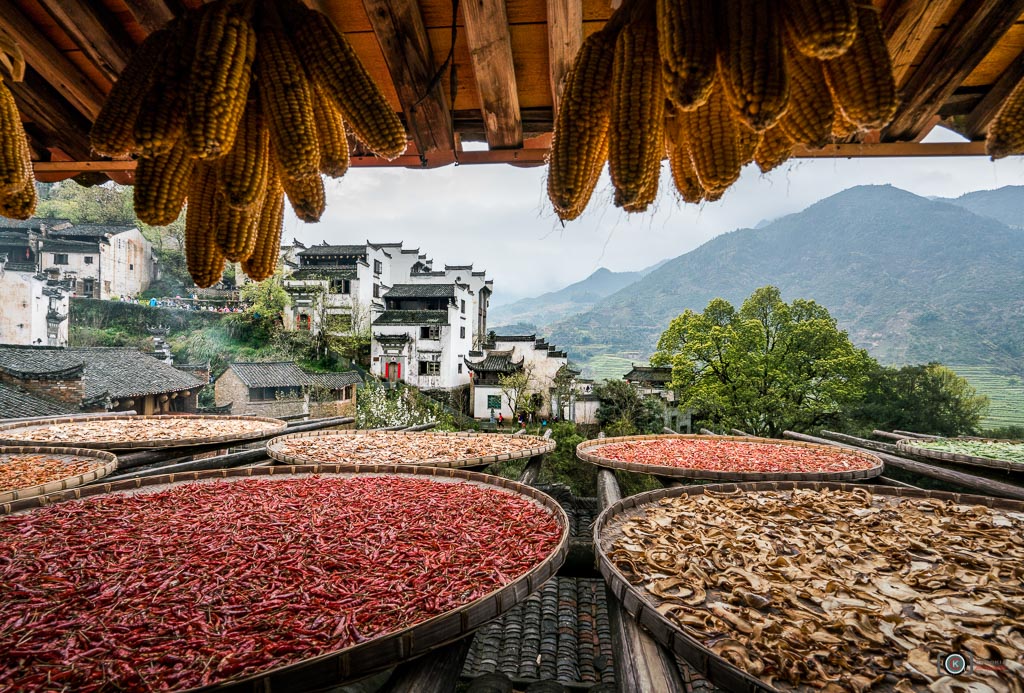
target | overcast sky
[{"x": 498, "y": 217}]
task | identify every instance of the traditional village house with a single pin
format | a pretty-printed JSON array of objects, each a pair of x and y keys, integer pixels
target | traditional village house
[
  {"x": 35, "y": 306},
  {"x": 505, "y": 354},
  {"x": 281, "y": 388},
  {"x": 91, "y": 379},
  {"x": 653, "y": 381},
  {"x": 104, "y": 261}
]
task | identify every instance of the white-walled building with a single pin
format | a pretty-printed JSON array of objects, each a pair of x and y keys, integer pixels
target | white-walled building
[
  {"x": 508, "y": 354},
  {"x": 101, "y": 261},
  {"x": 35, "y": 308}
]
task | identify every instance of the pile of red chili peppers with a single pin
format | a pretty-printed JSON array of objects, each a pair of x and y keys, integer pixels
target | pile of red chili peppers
[{"x": 211, "y": 581}]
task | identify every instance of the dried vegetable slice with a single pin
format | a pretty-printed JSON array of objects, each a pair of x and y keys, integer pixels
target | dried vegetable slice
[
  {"x": 115, "y": 593},
  {"x": 382, "y": 447},
  {"x": 1007, "y": 450},
  {"x": 23, "y": 471},
  {"x": 836, "y": 590},
  {"x": 129, "y": 430}
]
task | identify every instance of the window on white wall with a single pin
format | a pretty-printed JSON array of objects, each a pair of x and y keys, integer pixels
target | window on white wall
[
  {"x": 60, "y": 258},
  {"x": 430, "y": 368},
  {"x": 88, "y": 259}
]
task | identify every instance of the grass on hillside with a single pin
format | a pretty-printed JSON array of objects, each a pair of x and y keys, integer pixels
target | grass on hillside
[
  {"x": 1006, "y": 393},
  {"x": 606, "y": 367}
]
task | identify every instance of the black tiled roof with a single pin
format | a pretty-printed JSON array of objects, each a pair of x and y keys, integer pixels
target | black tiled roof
[
  {"x": 33, "y": 223},
  {"x": 45, "y": 361},
  {"x": 392, "y": 338},
  {"x": 650, "y": 374},
  {"x": 421, "y": 291},
  {"x": 16, "y": 403},
  {"x": 125, "y": 372},
  {"x": 288, "y": 374},
  {"x": 328, "y": 272},
  {"x": 516, "y": 338},
  {"x": 59, "y": 245},
  {"x": 17, "y": 237},
  {"x": 495, "y": 362},
  {"x": 412, "y": 317},
  {"x": 91, "y": 230},
  {"x": 315, "y": 250}
]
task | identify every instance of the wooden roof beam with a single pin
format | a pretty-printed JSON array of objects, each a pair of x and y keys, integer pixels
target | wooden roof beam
[
  {"x": 490, "y": 50},
  {"x": 63, "y": 126},
  {"x": 975, "y": 125},
  {"x": 150, "y": 14},
  {"x": 565, "y": 36},
  {"x": 103, "y": 42},
  {"x": 975, "y": 28},
  {"x": 403, "y": 39},
  {"x": 49, "y": 62},
  {"x": 908, "y": 24}
]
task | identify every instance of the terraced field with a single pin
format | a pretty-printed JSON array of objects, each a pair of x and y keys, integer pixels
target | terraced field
[
  {"x": 1006, "y": 393},
  {"x": 607, "y": 367}
]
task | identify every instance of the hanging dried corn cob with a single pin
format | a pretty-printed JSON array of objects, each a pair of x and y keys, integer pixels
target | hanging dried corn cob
[
  {"x": 17, "y": 181},
  {"x": 686, "y": 42},
  {"x": 204, "y": 259},
  {"x": 161, "y": 185},
  {"x": 751, "y": 55},
  {"x": 678, "y": 151},
  {"x": 822, "y": 29},
  {"x": 242, "y": 172},
  {"x": 713, "y": 132},
  {"x": 1006, "y": 133},
  {"x": 263, "y": 261},
  {"x": 636, "y": 140},
  {"x": 330, "y": 134},
  {"x": 579, "y": 147},
  {"x": 861, "y": 79},
  {"x": 161, "y": 120},
  {"x": 775, "y": 148},
  {"x": 810, "y": 114}
]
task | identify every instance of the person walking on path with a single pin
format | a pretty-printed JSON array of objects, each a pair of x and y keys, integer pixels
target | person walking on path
[{"x": 501, "y": 420}]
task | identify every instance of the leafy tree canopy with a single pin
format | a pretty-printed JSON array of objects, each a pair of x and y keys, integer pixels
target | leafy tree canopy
[
  {"x": 928, "y": 398},
  {"x": 765, "y": 368},
  {"x": 623, "y": 411}
]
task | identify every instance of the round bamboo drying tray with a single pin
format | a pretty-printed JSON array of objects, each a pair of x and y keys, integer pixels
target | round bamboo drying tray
[
  {"x": 643, "y": 606},
  {"x": 105, "y": 463},
  {"x": 907, "y": 446},
  {"x": 270, "y": 427},
  {"x": 378, "y": 653},
  {"x": 540, "y": 446},
  {"x": 583, "y": 452}
]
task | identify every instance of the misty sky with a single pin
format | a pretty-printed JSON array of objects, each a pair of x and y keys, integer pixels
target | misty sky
[{"x": 498, "y": 217}]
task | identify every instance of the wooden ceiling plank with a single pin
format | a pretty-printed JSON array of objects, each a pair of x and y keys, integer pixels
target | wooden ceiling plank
[
  {"x": 50, "y": 62},
  {"x": 59, "y": 124},
  {"x": 565, "y": 36},
  {"x": 106, "y": 45},
  {"x": 150, "y": 14},
  {"x": 975, "y": 125},
  {"x": 908, "y": 24},
  {"x": 403, "y": 39},
  {"x": 975, "y": 28},
  {"x": 490, "y": 52}
]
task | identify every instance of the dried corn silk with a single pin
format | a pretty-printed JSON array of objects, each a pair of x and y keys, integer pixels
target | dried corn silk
[{"x": 842, "y": 590}]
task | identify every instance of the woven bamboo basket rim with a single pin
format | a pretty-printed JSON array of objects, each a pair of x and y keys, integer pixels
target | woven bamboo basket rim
[
  {"x": 907, "y": 446},
  {"x": 582, "y": 452},
  {"x": 379, "y": 653},
  {"x": 642, "y": 607},
  {"x": 273, "y": 426},
  {"x": 106, "y": 462},
  {"x": 542, "y": 446}
]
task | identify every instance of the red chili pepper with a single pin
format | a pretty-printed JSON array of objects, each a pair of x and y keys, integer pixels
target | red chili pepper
[{"x": 205, "y": 582}]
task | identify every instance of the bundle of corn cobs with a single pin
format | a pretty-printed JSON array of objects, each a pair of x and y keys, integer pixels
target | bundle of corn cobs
[
  {"x": 233, "y": 106},
  {"x": 17, "y": 181},
  {"x": 714, "y": 85}
]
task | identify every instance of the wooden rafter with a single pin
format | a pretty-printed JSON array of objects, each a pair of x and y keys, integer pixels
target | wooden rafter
[
  {"x": 908, "y": 24},
  {"x": 565, "y": 36},
  {"x": 150, "y": 14},
  {"x": 403, "y": 39},
  {"x": 41, "y": 104},
  {"x": 490, "y": 49},
  {"x": 49, "y": 62},
  {"x": 975, "y": 125},
  {"x": 104, "y": 44},
  {"x": 975, "y": 28}
]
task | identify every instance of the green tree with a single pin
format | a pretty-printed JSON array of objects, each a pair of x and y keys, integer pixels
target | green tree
[
  {"x": 768, "y": 367},
  {"x": 623, "y": 411},
  {"x": 925, "y": 398},
  {"x": 99, "y": 204},
  {"x": 266, "y": 300},
  {"x": 515, "y": 386}
]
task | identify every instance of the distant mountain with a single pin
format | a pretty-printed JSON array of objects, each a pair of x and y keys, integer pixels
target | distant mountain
[
  {"x": 1005, "y": 204},
  {"x": 909, "y": 278},
  {"x": 545, "y": 309}
]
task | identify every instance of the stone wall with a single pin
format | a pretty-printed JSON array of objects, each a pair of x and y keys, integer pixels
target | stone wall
[{"x": 70, "y": 390}]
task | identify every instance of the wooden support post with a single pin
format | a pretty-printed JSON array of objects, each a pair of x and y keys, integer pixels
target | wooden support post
[
  {"x": 739, "y": 432},
  {"x": 975, "y": 125},
  {"x": 707, "y": 432},
  {"x": 974, "y": 29},
  {"x": 437, "y": 671},
  {"x": 405, "y": 43},
  {"x": 974, "y": 483},
  {"x": 667, "y": 430},
  {"x": 105, "y": 44},
  {"x": 641, "y": 664},
  {"x": 911, "y": 434},
  {"x": 532, "y": 470},
  {"x": 565, "y": 36},
  {"x": 907, "y": 25},
  {"x": 48, "y": 61},
  {"x": 886, "y": 434},
  {"x": 490, "y": 50}
]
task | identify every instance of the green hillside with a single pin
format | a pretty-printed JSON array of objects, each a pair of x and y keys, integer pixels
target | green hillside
[
  {"x": 1005, "y": 392},
  {"x": 912, "y": 280},
  {"x": 1005, "y": 204}
]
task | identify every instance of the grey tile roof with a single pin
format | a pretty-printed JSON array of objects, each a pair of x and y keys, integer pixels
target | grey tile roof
[
  {"x": 22, "y": 361},
  {"x": 91, "y": 230},
  {"x": 59, "y": 245},
  {"x": 516, "y": 338},
  {"x": 412, "y": 317},
  {"x": 125, "y": 372},
  {"x": 315, "y": 250},
  {"x": 16, "y": 403},
  {"x": 495, "y": 362},
  {"x": 650, "y": 374},
  {"x": 421, "y": 291},
  {"x": 288, "y": 374},
  {"x": 328, "y": 272}
]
